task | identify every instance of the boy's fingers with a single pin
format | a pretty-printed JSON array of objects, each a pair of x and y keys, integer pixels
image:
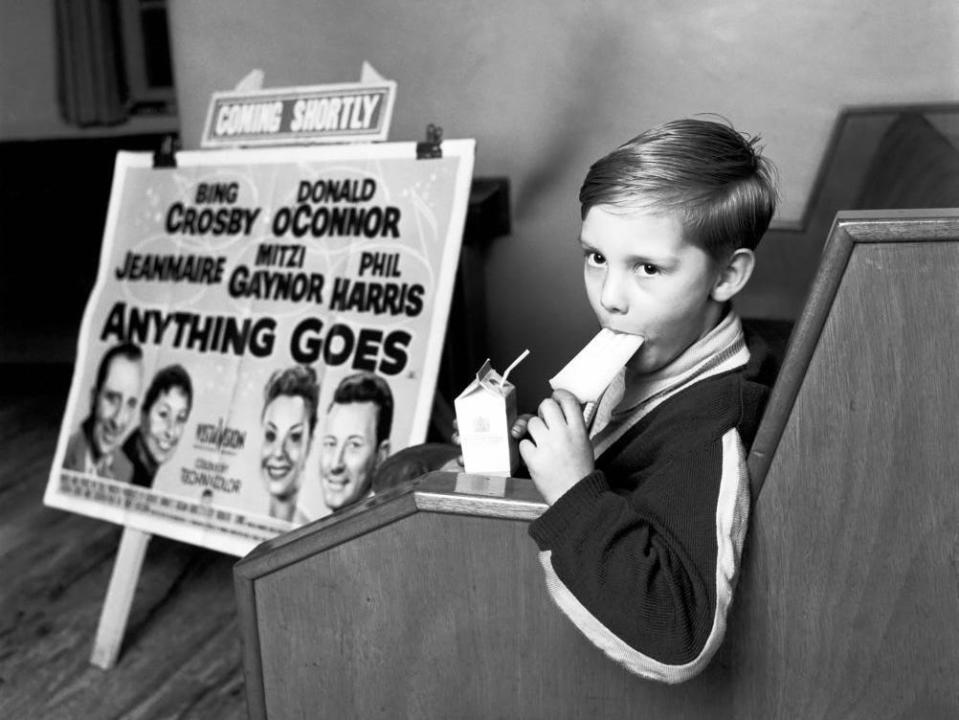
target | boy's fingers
[
  {"x": 550, "y": 412},
  {"x": 571, "y": 407},
  {"x": 526, "y": 450},
  {"x": 536, "y": 428},
  {"x": 519, "y": 426}
]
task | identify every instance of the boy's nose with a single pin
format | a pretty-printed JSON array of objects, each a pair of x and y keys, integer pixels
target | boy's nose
[{"x": 613, "y": 297}]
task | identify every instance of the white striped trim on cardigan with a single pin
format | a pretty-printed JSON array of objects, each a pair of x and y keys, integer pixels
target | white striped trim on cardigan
[{"x": 732, "y": 515}]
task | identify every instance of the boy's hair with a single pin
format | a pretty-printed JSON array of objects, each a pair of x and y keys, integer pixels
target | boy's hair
[{"x": 715, "y": 177}]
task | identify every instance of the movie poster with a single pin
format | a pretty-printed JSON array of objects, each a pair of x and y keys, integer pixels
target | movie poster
[{"x": 265, "y": 329}]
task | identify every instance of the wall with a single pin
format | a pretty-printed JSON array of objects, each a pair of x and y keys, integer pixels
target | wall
[
  {"x": 547, "y": 86},
  {"x": 28, "y": 80},
  {"x": 28, "y": 93},
  {"x": 41, "y": 160}
]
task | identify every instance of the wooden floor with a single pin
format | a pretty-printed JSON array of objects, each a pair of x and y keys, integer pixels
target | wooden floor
[{"x": 181, "y": 657}]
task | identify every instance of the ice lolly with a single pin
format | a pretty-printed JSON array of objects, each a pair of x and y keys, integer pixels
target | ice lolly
[{"x": 595, "y": 366}]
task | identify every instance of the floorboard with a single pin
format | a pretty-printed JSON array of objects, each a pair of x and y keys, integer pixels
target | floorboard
[{"x": 181, "y": 656}]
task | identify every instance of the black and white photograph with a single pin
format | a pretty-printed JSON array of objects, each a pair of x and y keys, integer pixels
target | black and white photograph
[{"x": 479, "y": 360}]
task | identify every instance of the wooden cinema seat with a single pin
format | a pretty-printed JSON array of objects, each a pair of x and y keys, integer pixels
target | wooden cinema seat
[{"x": 428, "y": 601}]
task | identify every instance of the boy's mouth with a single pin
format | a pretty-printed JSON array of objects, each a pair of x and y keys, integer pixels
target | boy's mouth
[{"x": 627, "y": 332}]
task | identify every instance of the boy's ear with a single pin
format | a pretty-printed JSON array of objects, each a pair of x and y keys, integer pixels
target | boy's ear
[{"x": 733, "y": 275}]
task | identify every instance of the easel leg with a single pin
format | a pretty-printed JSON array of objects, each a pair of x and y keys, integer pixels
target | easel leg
[{"x": 116, "y": 605}]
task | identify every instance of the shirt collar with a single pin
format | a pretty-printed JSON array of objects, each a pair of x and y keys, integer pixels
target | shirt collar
[{"x": 722, "y": 348}]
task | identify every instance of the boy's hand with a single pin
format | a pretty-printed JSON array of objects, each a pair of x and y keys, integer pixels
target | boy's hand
[
  {"x": 559, "y": 453},
  {"x": 455, "y": 465},
  {"x": 518, "y": 429}
]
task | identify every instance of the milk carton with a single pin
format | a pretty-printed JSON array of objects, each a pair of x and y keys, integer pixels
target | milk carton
[{"x": 485, "y": 411}]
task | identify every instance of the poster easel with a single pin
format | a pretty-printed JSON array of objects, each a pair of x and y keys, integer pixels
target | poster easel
[
  {"x": 135, "y": 539},
  {"x": 132, "y": 547},
  {"x": 119, "y": 598}
]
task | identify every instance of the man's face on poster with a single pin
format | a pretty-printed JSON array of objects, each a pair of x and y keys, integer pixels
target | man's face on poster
[
  {"x": 350, "y": 453},
  {"x": 115, "y": 404}
]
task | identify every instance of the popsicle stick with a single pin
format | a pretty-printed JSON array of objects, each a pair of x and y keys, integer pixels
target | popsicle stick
[{"x": 595, "y": 366}]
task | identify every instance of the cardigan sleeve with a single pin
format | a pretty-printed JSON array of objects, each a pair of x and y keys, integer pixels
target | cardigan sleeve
[{"x": 645, "y": 566}]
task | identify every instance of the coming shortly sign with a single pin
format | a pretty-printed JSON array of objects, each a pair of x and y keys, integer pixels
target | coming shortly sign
[{"x": 349, "y": 112}]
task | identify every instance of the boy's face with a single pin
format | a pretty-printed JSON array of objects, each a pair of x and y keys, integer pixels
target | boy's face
[{"x": 643, "y": 277}]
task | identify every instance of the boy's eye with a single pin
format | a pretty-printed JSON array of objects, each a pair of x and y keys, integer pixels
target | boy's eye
[
  {"x": 595, "y": 259},
  {"x": 647, "y": 269}
]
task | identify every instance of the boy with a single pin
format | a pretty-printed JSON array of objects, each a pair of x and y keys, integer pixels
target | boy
[{"x": 649, "y": 501}]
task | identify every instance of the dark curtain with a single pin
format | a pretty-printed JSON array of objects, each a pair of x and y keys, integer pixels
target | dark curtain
[{"x": 92, "y": 86}]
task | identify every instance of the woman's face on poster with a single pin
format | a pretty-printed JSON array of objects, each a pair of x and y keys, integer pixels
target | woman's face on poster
[
  {"x": 286, "y": 444},
  {"x": 163, "y": 422}
]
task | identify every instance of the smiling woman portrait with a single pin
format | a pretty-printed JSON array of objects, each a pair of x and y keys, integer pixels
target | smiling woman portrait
[
  {"x": 289, "y": 417},
  {"x": 163, "y": 416}
]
